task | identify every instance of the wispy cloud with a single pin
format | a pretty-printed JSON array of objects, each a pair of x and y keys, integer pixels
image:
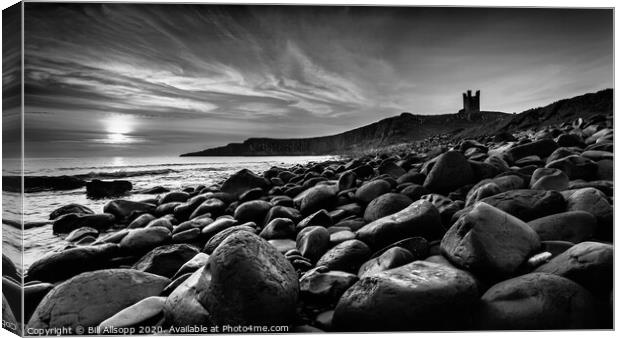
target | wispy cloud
[{"x": 207, "y": 75}]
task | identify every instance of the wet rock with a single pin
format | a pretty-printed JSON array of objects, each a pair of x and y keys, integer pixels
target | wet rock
[
  {"x": 549, "y": 179},
  {"x": 593, "y": 201},
  {"x": 72, "y": 208},
  {"x": 420, "y": 218},
  {"x": 391, "y": 168},
  {"x": 166, "y": 260},
  {"x": 33, "y": 294},
  {"x": 347, "y": 256},
  {"x": 414, "y": 191},
  {"x": 101, "y": 189},
  {"x": 542, "y": 148},
  {"x": 282, "y": 212},
  {"x": 278, "y": 228},
  {"x": 186, "y": 236},
  {"x": 198, "y": 261},
  {"x": 347, "y": 180},
  {"x": 322, "y": 285},
  {"x": 372, "y": 190},
  {"x": 252, "y": 194},
  {"x": 537, "y": 301},
  {"x": 166, "y": 208},
  {"x": 212, "y": 206},
  {"x": 436, "y": 297},
  {"x": 315, "y": 199},
  {"x": 66, "y": 306},
  {"x": 385, "y": 205},
  {"x": 175, "y": 196},
  {"x": 575, "y": 167},
  {"x": 313, "y": 242},
  {"x": 242, "y": 181},
  {"x": 450, "y": 171},
  {"x": 218, "y": 238},
  {"x": 58, "y": 266},
  {"x": 251, "y": 283},
  {"x": 391, "y": 258},
  {"x": 489, "y": 241},
  {"x": 141, "y": 221},
  {"x": 135, "y": 314},
  {"x": 319, "y": 218},
  {"x": 571, "y": 226},
  {"x": 283, "y": 245},
  {"x": 154, "y": 190},
  {"x": 605, "y": 170},
  {"x": 184, "y": 210},
  {"x": 338, "y": 237},
  {"x": 80, "y": 233},
  {"x": 489, "y": 189},
  {"x": 216, "y": 226},
  {"x": 69, "y": 222},
  {"x": 142, "y": 240},
  {"x": 588, "y": 263},
  {"x": 417, "y": 246},
  {"x": 125, "y": 210},
  {"x": 252, "y": 211},
  {"x": 182, "y": 306}
]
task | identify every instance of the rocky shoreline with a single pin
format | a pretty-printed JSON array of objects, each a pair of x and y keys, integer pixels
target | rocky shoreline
[{"x": 512, "y": 231}]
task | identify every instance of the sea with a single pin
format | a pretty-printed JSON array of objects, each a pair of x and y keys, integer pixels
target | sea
[{"x": 143, "y": 172}]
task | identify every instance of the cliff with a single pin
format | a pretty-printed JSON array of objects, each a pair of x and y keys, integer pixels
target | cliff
[{"x": 403, "y": 128}]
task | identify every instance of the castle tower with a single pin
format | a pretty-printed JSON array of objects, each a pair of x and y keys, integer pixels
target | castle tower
[{"x": 471, "y": 104}]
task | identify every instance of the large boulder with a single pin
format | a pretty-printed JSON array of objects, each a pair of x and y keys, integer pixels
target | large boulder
[
  {"x": 138, "y": 241},
  {"x": 212, "y": 206},
  {"x": 542, "y": 148},
  {"x": 450, "y": 171},
  {"x": 537, "y": 301},
  {"x": 218, "y": 238},
  {"x": 278, "y": 228},
  {"x": 588, "y": 263},
  {"x": 549, "y": 179},
  {"x": 417, "y": 296},
  {"x": 391, "y": 258},
  {"x": 251, "y": 283},
  {"x": 571, "y": 226},
  {"x": 135, "y": 314},
  {"x": 347, "y": 256},
  {"x": 313, "y": 242},
  {"x": 183, "y": 307},
  {"x": 489, "y": 241},
  {"x": 72, "y": 208},
  {"x": 420, "y": 218},
  {"x": 595, "y": 202},
  {"x": 242, "y": 181},
  {"x": 166, "y": 260},
  {"x": 125, "y": 210},
  {"x": 90, "y": 298},
  {"x": 316, "y": 198},
  {"x": 58, "y": 266},
  {"x": 101, "y": 189},
  {"x": 69, "y": 222},
  {"x": 252, "y": 211},
  {"x": 371, "y": 190},
  {"x": 322, "y": 285},
  {"x": 386, "y": 205}
]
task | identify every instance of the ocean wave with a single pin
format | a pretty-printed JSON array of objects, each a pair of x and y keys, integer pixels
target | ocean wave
[{"x": 124, "y": 173}]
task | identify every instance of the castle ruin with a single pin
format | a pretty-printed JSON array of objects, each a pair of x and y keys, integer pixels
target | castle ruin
[{"x": 471, "y": 104}]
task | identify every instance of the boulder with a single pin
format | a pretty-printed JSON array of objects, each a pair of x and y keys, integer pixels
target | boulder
[
  {"x": 101, "y": 189},
  {"x": 212, "y": 206},
  {"x": 420, "y": 218},
  {"x": 575, "y": 167},
  {"x": 391, "y": 258},
  {"x": 80, "y": 233},
  {"x": 319, "y": 218},
  {"x": 174, "y": 196},
  {"x": 135, "y": 314},
  {"x": 537, "y": 301},
  {"x": 165, "y": 260},
  {"x": 182, "y": 307},
  {"x": 371, "y": 190},
  {"x": 279, "y": 211},
  {"x": 587, "y": 263},
  {"x": 242, "y": 181},
  {"x": 571, "y": 226},
  {"x": 138, "y": 241},
  {"x": 347, "y": 180},
  {"x": 391, "y": 168},
  {"x": 595, "y": 202},
  {"x": 414, "y": 191},
  {"x": 525, "y": 204},
  {"x": 417, "y": 296},
  {"x": 321, "y": 285},
  {"x": 313, "y": 242},
  {"x": 489, "y": 242},
  {"x": 218, "y": 238},
  {"x": 197, "y": 262},
  {"x": 385, "y": 205},
  {"x": 278, "y": 228},
  {"x": 125, "y": 210},
  {"x": 141, "y": 221},
  {"x": 69, "y": 222},
  {"x": 250, "y": 283},
  {"x": 66, "y": 306},
  {"x": 252, "y": 211},
  {"x": 72, "y": 208},
  {"x": 347, "y": 256},
  {"x": 316, "y": 198},
  {"x": 450, "y": 171},
  {"x": 542, "y": 148},
  {"x": 549, "y": 179},
  {"x": 58, "y": 266},
  {"x": 216, "y": 226}
]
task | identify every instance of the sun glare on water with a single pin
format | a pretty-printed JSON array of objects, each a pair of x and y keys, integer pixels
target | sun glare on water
[{"x": 117, "y": 128}]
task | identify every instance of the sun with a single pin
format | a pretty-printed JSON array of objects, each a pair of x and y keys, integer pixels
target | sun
[{"x": 117, "y": 126}]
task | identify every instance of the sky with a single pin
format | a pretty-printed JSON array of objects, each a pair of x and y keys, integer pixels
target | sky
[{"x": 150, "y": 80}]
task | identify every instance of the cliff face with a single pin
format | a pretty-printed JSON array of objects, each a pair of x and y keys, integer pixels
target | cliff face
[{"x": 403, "y": 128}]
